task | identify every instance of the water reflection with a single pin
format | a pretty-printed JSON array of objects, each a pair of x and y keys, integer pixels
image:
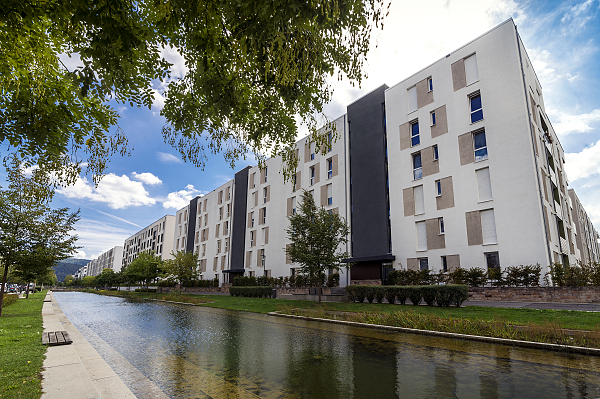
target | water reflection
[{"x": 209, "y": 353}]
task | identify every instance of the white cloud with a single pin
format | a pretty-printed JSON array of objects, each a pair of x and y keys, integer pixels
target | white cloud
[
  {"x": 566, "y": 123},
  {"x": 165, "y": 157},
  {"x": 583, "y": 164},
  {"x": 179, "y": 69},
  {"x": 117, "y": 192},
  {"x": 146, "y": 177},
  {"x": 96, "y": 237},
  {"x": 179, "y": 199}
]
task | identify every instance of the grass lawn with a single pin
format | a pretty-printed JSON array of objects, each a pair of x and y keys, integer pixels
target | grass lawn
[
  {"x": 561, "y": 318},
  {"x": 21, "y": 349}
]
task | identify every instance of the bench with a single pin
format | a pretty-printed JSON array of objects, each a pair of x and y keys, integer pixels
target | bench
[{"x": 54, "y": 338}]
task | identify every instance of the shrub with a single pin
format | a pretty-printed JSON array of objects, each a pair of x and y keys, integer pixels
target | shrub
[
  {"x": 252, "y": 292},
  {"x": 390, "y": 294},
  {"x": 445, "y": 295},
  {"x": 401, "y": 294},
  {"x": 9, "y": 299},
  {"x": 414, "y": 294},
  {"x": 333, "y": 280},
  {"x": 145, "y": 290},
  {"x": 428, "y": 292},
  {"x": 369, "y": 293},
  {"x": 460, "y": 293},
  {"x": 379, "y": 293},
  {"x": 594, "y": 274},
  {"x": 166, "y": 283},
  {"x": 458, "y": 276},
  {"x": 476, "y": 277},
  {"x": 495, "y": 274}
]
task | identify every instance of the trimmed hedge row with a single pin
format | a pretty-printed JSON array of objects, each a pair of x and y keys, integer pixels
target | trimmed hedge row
[
  {"x": 252, "y": 292},
  {"x": 442, "y": 295},
  {"x": 9, "y": 299}
]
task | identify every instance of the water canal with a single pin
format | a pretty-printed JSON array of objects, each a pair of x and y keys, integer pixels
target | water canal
[{"x": 179, "y": 351}]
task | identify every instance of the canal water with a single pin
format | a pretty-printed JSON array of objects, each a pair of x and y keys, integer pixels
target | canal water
[{"x": 179, "y": 351}]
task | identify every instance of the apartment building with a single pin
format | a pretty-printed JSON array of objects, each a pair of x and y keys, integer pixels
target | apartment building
[
  {"x": 476, "y": 170},
  {"x": 157, "y": 237},
  {"x": 586, "y": 236},
  {"x": 457, "y": 166},
  {"x": 111, "y": 259}
]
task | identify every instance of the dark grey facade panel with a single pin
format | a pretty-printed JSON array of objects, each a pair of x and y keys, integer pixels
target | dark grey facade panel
[
  {"x": 189, "y": 246},
  {"x": 238, "y": 225},
  {"x": 370, "y": 232}
]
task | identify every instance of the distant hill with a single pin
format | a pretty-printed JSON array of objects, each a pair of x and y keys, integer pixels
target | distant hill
[{"x": 68, "y": 266}]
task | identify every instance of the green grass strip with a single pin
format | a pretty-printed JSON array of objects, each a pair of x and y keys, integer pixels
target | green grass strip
[{"x": 21, "y": 351}]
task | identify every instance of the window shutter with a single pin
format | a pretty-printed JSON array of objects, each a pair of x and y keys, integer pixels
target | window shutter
[
  {"x": 471, "y": 69},
  {"x": 419, "y": 200},
  {"x": 488, "y": 227},
  {"x": 485, "y": 185},
  {"x": 421, "y": 236},
  {"x": 412, "y": 99}
]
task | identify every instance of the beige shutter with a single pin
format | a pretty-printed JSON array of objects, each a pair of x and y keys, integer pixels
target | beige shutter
[
  {"x": 317, "y": 172},
  {"x": 484, "y": 184},
  {"x": 268, "y": 193},
  {"x": 266, "y": 235},
  {"x": 471, "y": 73},
  {"x": 334, "y": 165},
  {"x": 262, "y": 176},
  {"x": 421, "y": 236},
  {"x": 473, "y": 220},
  {"x": 419, "y": 200},
  {"x": 458, "y": 75},
  {"x": 488, "y": 227},
  {"x": 298, "y": 180},
  {"x": 260, "y": 215},
  {"x": 409, "y": 201},
  {"x": 289, "y": 207},
  {"x": 404, "y": 136},
  {"x": 465, "y": 148},
  {"x": 323, "y": 195}
]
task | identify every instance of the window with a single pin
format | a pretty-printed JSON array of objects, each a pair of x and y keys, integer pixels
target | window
[
  {"x": 480, "y": 145},
  {"x": 329, "y": 195},
  {"x": 266, "y": 170},
  {"x": 264, "y": 195},
  {"x": 488, "y": 227},
  {"x": 312, "y": 175},
  {"x": 252, "y": 179},
  {"x": 203, "y": 249},
  {"x": 484, "y": 184},
  {"x": 251, "y": 219},
  {"x": 329, "y": 140},
  {"x": 264, "y": 221},
  {"x": 312, "y": 152},
  {"x": 329, "y": 168},
  {"x": 471, "y": 72},
  {"x": 218, "y": 246},
  {"x": 444, "y": 264},
  {"x": 436, "y": 154},
  {"x": 226, "y": 228},
  {"x": 293, "y": 205},
  {"x": 441, "y": 223},
  {"x": 421, "y": 236},
  {"x": 221, "y": 213},
  {"x": 419, "y": 200},
  {"x": 423, "y": 264},
  {"x": 493, "y": 260},
  {"x": 438, "y": 187},
  {"x": 263, "y": 236},
  {"x": 417, "y": 166},
  {"x": 228, "y": 209},
  {"x": 412, "y": 99},
  {"x": 220, "y": 197},
  {"x": 295, "y": 181},
  {"x": 430, "y": 84},
  {"x": 226, "y": 244},
  {"x": 476, "y": 109},
  {"x": 414, "y": 134},
  {"x": 206, "y": 220},
  {"x": 251, "y": 238},
  {"x": 433, "y": 118}
]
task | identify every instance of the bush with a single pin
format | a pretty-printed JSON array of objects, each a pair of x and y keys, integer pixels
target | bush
[
  {"x": 379, "y": 293},
  {"x": 145, "y": 290},
  {"x": 458, "y": 276},
  {"x": 390, "y": 294},
  {"x": 428, "y": 292},
  {"x": 356, "y": 293},
  {"x": 401, "y": 294},
  {"x": 414, "y": 294},
  {"x": 202, "y": 283},
  {"x": 252, "y": 292},
  {"x": 9, "y": 299},
  {"x": 166, "y": 283},
  {"x": 476, "y": 277},
  {"x": 333, "y": 280}
]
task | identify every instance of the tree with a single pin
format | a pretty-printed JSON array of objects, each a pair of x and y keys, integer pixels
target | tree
[
  {"x": 316, "y": 235},
  {"x": 33, "y": 236},
  {"x": 183, "y": 267},
  {"x": 68, "y": 280},
  {"x": 251, "y": 68},
  {"x": 88, "y": 281},
  {"x": 107, "y": 278},
  {"x": 145, "y": 267}
]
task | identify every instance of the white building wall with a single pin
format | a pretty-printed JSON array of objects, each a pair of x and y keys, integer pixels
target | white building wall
[{"x": 157, "y": 237}]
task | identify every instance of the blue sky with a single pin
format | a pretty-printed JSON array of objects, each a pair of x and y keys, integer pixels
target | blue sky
[{"x": 562, "y": 39}]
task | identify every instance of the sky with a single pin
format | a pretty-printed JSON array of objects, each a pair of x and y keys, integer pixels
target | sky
[{"x": 562, "y": 39}]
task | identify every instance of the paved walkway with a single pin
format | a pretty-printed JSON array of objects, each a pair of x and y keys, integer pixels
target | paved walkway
[
  {"x": 76, "y": 371},
  {"x": 585, "y": 307}
]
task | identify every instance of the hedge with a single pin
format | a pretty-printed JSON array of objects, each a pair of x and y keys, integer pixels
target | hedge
[
  {"x": 9, "y": 299},
  {"x": 252, "y": 292},
  {"x": 440, "y": 295}
]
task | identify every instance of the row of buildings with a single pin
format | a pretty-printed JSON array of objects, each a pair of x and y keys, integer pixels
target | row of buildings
[{"x": 457, "y": 166}]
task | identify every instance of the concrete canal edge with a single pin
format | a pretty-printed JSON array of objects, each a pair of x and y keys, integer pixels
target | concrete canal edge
[
  {"x": 76, "y": 371},
  {"x": 491, "y": 340}
]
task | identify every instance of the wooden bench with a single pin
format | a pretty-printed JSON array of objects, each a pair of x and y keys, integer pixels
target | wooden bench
[{"x": 54, "y": 338}]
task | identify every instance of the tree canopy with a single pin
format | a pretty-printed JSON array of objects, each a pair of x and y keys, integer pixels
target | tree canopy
[
  {"x": 316, "y": 235},
  {"x": 146, "y": 267},
  {"x": 252, "y": 68},
  {"x": 183, "y": 267}
]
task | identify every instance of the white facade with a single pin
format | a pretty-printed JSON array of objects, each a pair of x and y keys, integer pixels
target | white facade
[
  {"x": 493, "y": 196},
  {"x": 111, "y": 259},
  {"x": 157, "y": 237}
]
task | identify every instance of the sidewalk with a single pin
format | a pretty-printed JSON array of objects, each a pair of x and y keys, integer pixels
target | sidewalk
[{"x": 76, "y": 371}]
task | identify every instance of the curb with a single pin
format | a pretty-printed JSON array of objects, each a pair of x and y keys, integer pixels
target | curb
[{"x": 500, "y": 341}]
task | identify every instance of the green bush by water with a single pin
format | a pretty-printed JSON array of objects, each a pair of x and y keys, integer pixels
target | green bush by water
[
  {"x": 252, "y": 292},
  {"x": 440, "y": 295}
]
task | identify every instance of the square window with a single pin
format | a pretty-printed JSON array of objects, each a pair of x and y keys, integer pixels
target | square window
[
  {"x": 480, "y": 145},
  {"x": 417, "y": 166},
  {"x": 430, "y": 84},
  {"x": 433, "y": 118},
  {"x": 436, "y": 154},
  {"x": 424, "y": 264},
  {"x": 493, "y": 260},
  {"x": 438, "y": 187},
  {"x": 414, "y": 134},
  {"x": 476, "y": 109}
]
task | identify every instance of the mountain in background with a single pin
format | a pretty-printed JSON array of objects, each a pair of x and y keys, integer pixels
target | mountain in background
[{"x": 68, "y": 266}]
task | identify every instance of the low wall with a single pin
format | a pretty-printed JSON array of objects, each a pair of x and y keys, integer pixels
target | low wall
[
  {"x": 225, "y": 289},
  {"x": 365, "y": 282},
  {"x": 536, "y": 294}
]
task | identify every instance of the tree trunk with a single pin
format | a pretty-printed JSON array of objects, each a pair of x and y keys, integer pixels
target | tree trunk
[
  {"x": 27, "y": 291},
  {"x": 4, "y": 277},
  {"x": 320, "y": 289}
]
